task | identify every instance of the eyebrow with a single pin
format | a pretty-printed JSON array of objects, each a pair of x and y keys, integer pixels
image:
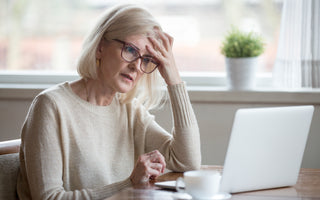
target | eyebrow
[
  {"x": 145, "y": 55},
  {"x": 133, "y": 45}
]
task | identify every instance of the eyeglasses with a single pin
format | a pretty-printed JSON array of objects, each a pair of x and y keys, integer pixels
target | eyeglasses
[{"x": 130, "y": 53}]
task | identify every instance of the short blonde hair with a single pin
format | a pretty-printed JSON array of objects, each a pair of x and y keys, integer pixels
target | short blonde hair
[{"x": 118, "y": 23}]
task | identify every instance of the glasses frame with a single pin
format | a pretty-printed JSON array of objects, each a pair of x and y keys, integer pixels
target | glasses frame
[{"x": 139, "y": 57}]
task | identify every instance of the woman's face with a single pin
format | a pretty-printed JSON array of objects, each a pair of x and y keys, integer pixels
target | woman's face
[{"x": 114, "y": 72}]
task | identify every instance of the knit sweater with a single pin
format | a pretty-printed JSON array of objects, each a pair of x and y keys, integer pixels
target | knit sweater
[{"x": 72, "y": 149}]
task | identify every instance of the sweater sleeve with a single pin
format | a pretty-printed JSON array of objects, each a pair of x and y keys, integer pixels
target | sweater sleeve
[
  {"x": 181, "y": 148},
  {"x": 42, "y": 159}
]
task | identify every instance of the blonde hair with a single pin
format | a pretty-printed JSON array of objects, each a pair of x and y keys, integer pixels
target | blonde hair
[{"x": 118, "y": 23}]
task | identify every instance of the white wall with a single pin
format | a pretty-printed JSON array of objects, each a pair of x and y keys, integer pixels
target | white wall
[{"x": 214, "y": 109}]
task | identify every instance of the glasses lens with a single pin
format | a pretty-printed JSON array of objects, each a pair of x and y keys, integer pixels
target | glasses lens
[
  {"x": 129, "y": 53},
  {"x": 148, "y": 64}
]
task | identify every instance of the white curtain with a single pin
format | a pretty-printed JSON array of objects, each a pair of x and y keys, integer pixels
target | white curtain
[{"x": 298, "y": 58}]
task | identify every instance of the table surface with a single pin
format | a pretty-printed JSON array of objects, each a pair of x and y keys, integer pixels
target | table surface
[{"x": 306, "y": 188}]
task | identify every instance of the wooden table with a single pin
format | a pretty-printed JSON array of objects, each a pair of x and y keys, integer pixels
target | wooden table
[{"x": 307, "y": 188}]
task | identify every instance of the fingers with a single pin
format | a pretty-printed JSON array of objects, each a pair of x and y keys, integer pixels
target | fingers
[
  {"x": 156, "y": 166},
  {"x": 154, "y": 170},
  {"x": 161, "y": 50},
  {"x": 171, "y": 39},
  {"x": 166, "y": 39},
  {"x": 148, "y": 166},
  {"x": 157, "y": 157},
  {"x": 164, "y": 45},
  {"x": 157, "y": 50}
]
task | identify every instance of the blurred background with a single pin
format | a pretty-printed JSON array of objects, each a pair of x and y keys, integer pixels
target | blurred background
[{"x": 46, "y": 35}]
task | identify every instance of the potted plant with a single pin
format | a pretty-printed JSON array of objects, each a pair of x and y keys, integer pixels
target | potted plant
[{"x": 241, "y": 50}]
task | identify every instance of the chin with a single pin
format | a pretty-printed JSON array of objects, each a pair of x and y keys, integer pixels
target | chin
[{"x": 125, "y": 89}]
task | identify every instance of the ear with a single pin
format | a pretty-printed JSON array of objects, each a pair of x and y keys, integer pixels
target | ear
[{"x": 99, "y": 50}]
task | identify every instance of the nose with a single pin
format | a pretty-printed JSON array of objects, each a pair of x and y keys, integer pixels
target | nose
[{"x": 135, "y": 65}]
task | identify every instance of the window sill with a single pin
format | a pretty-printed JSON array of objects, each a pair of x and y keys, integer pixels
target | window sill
[
  {"x": 200, "y": 94},
  {"x": 260, "y": 95}
]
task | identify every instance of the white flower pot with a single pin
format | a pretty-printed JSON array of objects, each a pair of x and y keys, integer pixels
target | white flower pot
[{"x": 241, "y": 73}]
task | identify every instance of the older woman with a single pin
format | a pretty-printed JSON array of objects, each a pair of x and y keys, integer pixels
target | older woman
[{"x": 90, "y": 138}]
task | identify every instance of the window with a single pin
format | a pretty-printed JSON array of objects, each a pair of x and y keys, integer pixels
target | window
[{"x": 47, "y": 35}]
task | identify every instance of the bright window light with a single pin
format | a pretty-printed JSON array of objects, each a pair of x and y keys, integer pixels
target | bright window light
[{"x": 47, "y": 36}]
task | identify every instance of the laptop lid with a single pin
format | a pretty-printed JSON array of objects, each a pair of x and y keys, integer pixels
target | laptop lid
[{"x": 266, "y": 148}]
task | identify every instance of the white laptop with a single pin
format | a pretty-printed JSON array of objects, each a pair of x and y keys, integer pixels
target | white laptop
[{"x": 265, "y": 149}]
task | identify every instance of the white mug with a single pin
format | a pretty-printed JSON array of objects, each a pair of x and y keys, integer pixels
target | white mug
[{"x": 200, "y": 184}]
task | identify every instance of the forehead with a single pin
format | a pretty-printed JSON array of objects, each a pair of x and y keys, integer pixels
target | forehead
[{"x": 139, "y": 41}]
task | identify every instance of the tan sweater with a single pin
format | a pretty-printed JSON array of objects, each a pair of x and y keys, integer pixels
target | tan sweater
[{"x": 72, "y": 149}]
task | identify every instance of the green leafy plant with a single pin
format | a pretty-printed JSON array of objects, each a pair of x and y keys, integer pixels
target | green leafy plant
[{"x": 239, "y": 44}]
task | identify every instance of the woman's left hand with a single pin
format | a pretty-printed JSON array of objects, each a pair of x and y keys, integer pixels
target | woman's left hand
[{"x": 162, "y": 51}]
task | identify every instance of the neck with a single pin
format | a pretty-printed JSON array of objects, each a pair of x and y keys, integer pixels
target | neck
[{"x": 98, "y": 94}]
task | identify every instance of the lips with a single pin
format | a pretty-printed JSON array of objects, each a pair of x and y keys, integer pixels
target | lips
[{"x": 128, "y": 76}]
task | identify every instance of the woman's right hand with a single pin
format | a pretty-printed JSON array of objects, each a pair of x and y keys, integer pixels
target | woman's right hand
[{"x": 148, "y": 166}]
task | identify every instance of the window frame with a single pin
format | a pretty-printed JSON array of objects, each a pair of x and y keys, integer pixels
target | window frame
[
  {"x": 40, "y": 79},
  {"x": 202, "y": 89}
]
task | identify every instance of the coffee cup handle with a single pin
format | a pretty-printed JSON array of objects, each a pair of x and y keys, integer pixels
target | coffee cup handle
[{"x": 179, "y": 188}]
